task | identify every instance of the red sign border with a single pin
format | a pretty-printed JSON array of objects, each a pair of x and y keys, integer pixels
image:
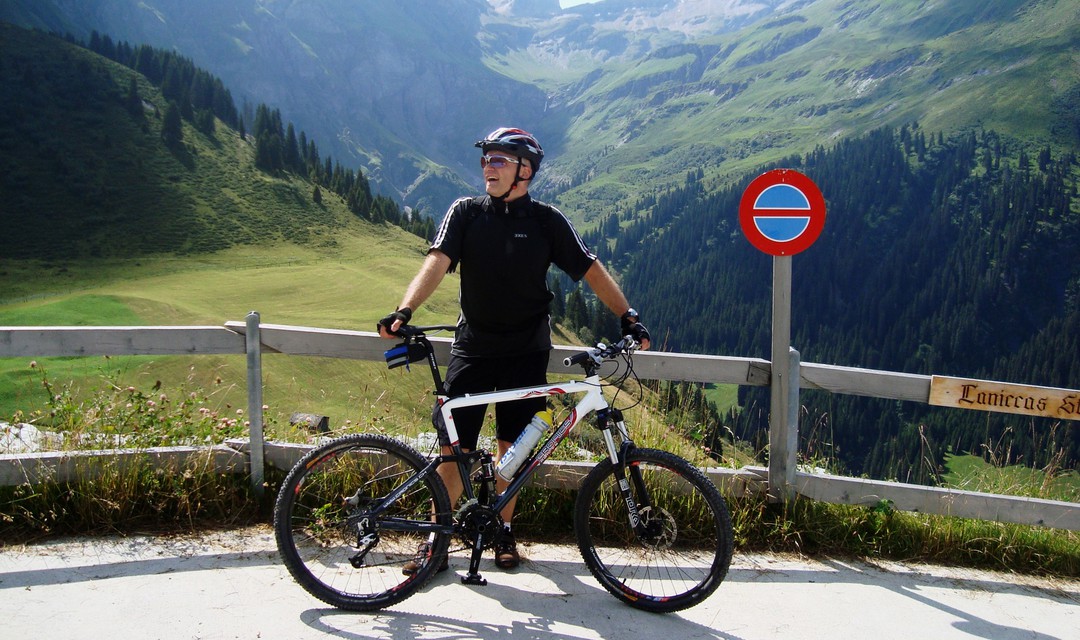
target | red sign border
[{"x": 816, "y": 212}]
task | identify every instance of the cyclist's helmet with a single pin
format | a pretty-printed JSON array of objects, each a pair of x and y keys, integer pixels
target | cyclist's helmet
[{"x": 514, "y": 141}]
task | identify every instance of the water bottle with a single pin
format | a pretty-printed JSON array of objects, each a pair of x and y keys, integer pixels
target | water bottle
[{"x": 519, "y": 451}]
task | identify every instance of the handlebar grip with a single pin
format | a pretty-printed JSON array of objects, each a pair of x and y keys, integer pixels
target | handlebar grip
[
  {"x": 577, "y": 358},
  {"x": 411, "y": 330}
]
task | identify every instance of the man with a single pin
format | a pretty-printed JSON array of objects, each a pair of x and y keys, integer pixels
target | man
[{"x": 503, "y": 243}]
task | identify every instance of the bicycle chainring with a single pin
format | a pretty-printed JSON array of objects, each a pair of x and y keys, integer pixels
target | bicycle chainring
[{"x": 478, "y": 522}]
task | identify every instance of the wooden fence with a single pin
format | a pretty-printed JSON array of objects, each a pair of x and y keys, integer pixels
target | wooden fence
[{"x": 256, "y": 339}]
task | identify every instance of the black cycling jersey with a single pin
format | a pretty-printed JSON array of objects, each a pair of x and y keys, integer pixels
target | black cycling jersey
[{"x": 504, "y": 251}]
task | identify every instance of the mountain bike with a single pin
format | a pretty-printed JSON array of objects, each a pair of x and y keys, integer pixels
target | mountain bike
[{"x": 650, "y": 526}]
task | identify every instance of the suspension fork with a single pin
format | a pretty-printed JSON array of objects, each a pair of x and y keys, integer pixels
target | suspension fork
[{"x": 628, "y": 476}]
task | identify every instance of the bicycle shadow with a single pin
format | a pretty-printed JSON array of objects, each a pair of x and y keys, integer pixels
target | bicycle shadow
[
  {"x": 540, "y": 599},
  {"x": 554, "y": 595},
  {"x": 561, "y": 599}
]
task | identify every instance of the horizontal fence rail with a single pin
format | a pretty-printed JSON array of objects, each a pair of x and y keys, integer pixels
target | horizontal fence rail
[{"x": 236, "y": 457}]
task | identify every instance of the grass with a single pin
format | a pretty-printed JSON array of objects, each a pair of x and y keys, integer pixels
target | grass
[
  {"x": 290, "y": 284},
  {"x": 973, "y": 473},
  {"x": 813, "y": 528},
  {"x": 350, "y": 288},
  {"x": 140, "y": 498}
]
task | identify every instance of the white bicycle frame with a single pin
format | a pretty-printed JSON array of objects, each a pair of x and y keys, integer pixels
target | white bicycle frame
[{"x": 593, "y": 400}]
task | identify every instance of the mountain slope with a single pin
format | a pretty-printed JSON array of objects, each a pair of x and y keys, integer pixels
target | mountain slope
[
  {"x": 818, "y": 73},
  {"x": 362, "y": 77},
  {"x": 86, "y": 169},
  {"x": 104, "y": 223},
  {"x": 627, "y": 95},
  {"x": 939, "y": 256}
]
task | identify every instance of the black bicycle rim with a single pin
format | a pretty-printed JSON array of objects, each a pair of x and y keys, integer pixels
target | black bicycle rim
[{"x": 329, "y": 544}]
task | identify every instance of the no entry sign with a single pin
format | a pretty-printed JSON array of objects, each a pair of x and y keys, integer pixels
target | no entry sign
[{"x": 782, "y": 212}]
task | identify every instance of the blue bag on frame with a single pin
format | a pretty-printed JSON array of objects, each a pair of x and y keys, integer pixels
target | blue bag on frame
[{"x": 403, "y": 354}]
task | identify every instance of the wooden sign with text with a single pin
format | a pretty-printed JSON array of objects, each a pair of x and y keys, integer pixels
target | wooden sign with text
[{"x": 1022, "y": 399}]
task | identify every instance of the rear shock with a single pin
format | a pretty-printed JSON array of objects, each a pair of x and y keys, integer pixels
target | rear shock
[{"x": 485, "y": 479}]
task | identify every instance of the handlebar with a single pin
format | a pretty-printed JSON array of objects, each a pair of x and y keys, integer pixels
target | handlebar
[
  {"x": 415, "y": 347},
  {"x": 589, "y": 359},
  {"x": 601, "y": 352},
  {"x": 412, "y": 331}
]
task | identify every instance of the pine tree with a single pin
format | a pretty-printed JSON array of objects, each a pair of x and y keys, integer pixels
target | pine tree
[
  {"x": 172, "y": 127},
  {"x": 292, "y": 151},
  {"x": 133, "y": 100},
  {"x": 577, "y": 313}
]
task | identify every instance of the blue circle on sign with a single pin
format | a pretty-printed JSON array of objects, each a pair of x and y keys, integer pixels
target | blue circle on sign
[{"x": 782, "y": 228}]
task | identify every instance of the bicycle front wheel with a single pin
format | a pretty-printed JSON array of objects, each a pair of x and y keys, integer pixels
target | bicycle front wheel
[
  {"x": 330, "y": 541},
  {"x": 682, "y": 550}
]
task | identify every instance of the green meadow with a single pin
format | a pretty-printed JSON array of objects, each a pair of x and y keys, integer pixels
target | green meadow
[{"x": 349, "y": 287}]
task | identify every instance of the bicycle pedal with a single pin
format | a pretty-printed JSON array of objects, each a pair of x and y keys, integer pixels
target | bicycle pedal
[{"x": 474, "y": 579}]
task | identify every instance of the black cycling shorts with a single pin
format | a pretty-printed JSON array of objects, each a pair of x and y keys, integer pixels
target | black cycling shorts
[{"x": 477, "y": 375}]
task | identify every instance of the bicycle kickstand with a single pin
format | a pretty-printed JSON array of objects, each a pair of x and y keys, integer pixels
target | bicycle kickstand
[{"x": 474, "y": 577}]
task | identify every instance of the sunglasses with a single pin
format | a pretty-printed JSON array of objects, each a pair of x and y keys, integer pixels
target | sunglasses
[{"x": 497, "y": 161}]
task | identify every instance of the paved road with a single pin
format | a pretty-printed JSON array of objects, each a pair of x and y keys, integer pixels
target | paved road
[{"x": 230, "y": 585}]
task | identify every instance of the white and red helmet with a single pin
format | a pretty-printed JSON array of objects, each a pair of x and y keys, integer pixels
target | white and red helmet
[{"x": 517, "y": 142}]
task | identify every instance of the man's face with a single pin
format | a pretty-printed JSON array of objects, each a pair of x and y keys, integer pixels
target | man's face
[{"x": 500, "y": 170}]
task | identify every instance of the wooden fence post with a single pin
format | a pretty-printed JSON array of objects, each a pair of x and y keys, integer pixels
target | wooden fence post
[
  {"x": 784, "y": 389},
  {"x": 791, "y": 428},
  {"x": 255, "y": 402}
]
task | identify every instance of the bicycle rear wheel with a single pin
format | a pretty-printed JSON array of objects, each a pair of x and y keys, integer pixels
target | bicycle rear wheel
[
  {"x": 328, "y": 541},
  {"x": 687, "y": 550}
]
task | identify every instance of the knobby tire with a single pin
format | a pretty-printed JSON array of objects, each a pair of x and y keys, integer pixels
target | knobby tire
[
  {"x": 319, "y": 522},
  {"x": 687, "y": 551}
]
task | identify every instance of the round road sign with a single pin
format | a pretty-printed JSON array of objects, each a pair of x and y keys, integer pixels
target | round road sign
[{"x": 782, "y": 212}]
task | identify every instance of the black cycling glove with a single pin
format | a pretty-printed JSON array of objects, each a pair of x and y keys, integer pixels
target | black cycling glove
[
  {"x": 404, "y": 314},
  {"x": 631, "y": 327}
]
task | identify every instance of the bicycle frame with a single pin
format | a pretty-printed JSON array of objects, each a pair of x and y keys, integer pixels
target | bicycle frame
[{"x": 593, "y": 401}]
